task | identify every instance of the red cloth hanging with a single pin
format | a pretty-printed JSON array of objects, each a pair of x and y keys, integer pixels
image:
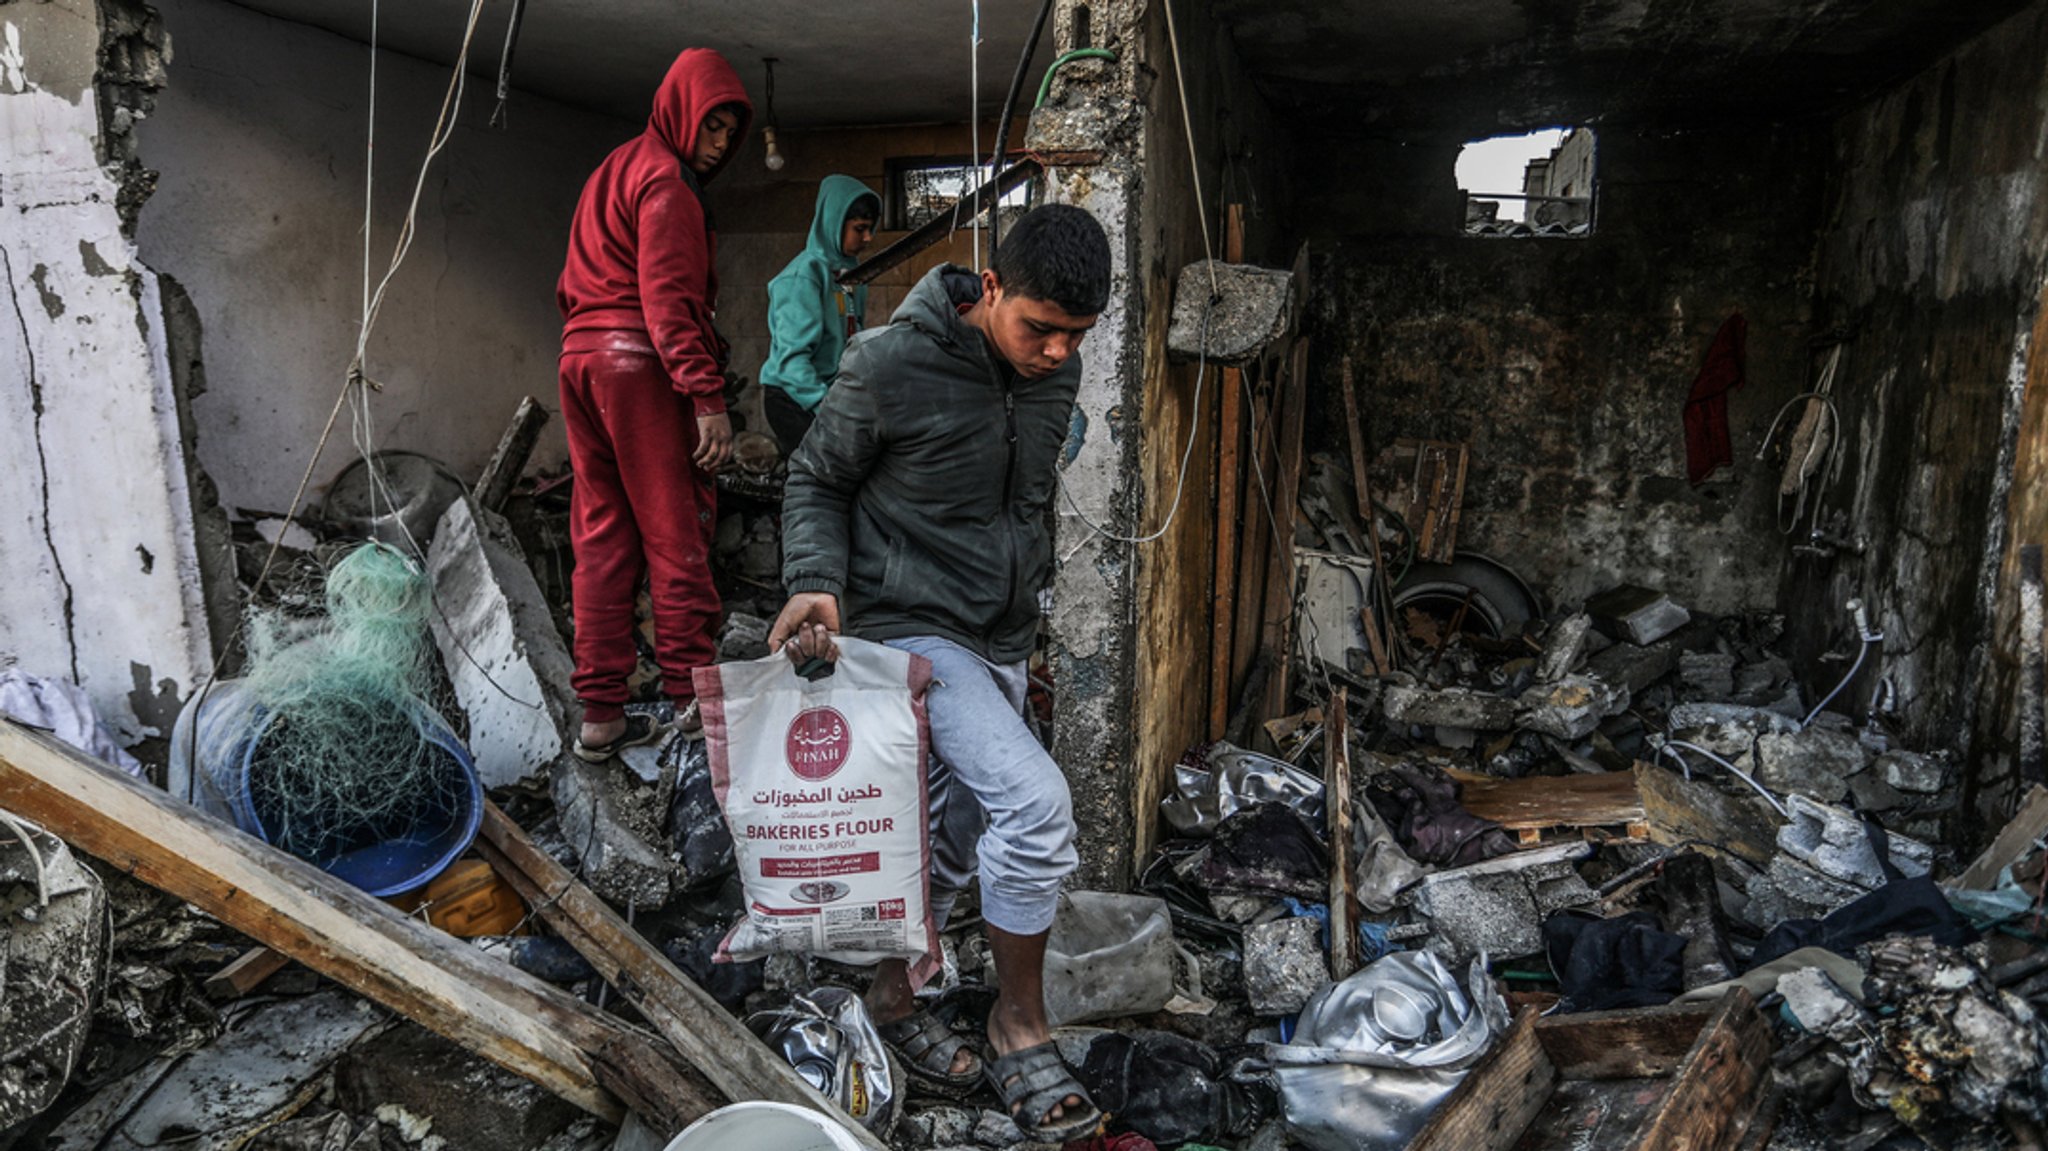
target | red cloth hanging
[{"x": 1707, "y": 444}]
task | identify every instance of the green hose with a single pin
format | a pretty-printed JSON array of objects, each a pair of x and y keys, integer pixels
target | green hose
[{"x": 1076, "y": 54}]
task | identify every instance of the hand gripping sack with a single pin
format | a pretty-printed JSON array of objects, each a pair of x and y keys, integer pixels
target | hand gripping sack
[{"x": 823, "y": 784}]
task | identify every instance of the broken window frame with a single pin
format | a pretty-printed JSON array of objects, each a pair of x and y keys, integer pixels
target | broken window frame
[
  {"x": 1569, "y": 231},
  {"x": 897, "y": 213}
]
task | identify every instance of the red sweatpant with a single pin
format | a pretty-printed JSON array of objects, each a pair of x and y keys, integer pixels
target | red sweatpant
[{"x": 639, "y": 505}]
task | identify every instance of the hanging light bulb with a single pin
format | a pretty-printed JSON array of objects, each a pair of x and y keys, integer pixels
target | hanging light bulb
[{"x": 774, "y": 158}]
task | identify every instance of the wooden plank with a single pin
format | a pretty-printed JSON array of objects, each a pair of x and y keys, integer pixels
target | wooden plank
[
  {"x": 2012, "y": 843},
  {"x": 1279, "y": 619},
  {"x": 508, "y": 462},
  {"x": 709, "y": 1038},
  {"x": 1438, "y": 496},
  {"x": 500, "y": 1013},
  {"x": 1678, "y": 809},
  {"x": 1638, "y": 1043},
  {"x": 1719, "y": 1086},
  {"x": 1229, "y": 486},
  {"x": 1337, "y": 804},
  {"x": 1544, "y": 801},
  {"x": 1258, "y": 534},
  {"x": 1496, "y": 1102},
  {"x": 246, "y": 973}
]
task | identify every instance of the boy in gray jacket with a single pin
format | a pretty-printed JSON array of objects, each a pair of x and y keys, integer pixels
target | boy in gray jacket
[{"x": 915, "y": 514}]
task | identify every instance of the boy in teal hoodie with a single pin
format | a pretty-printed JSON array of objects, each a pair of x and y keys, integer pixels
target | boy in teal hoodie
[{"x": 810, "y": 315}]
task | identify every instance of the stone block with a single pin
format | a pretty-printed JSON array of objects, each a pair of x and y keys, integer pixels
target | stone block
[
  {"x": 1707, "y": 674},
  {"x": 1815, "y": 762},
  {"x": 1448, "y": 707},
  {"x": 498, "y": 642},
  {"x": 1633, "y": 666},
  {"x": 615, "y": 820},
  {"x": 1833, "y": 841},
  {"x": 1794, "y": 890},
  {"x": 1912, "y": 771},
  {"x": 1498, "y": 906},
  {"x": 1231, "y": 315},
  {"x": 1562, "y": 647},
  {"x": 1571, "y": 707},
  {"x": 1283, "y": 965},
  {"x": 1726, "y": 729},
  {"x": 1637, "y": 614},
  {"x": 743, "y": 637},
  {"x": 1869, "y": 791}
]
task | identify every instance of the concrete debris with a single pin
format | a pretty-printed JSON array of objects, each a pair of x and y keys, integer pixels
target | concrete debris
[
  {"x": 1498, "y": 907},
  {"x": 1707, "y": 675},
  {"x": 1228, "y": 313},
  {"x": 444, "y": 1091},
  {"x": 1815, "y": 762},
  {"x": 1913, "y": 771},
  {"x": 1837, "y": 843},
  {"x": 1570, "y": 708},
  {"x": 1562, "y": 647},
  {"x": 1818, "y": 1004},
  {"x": 500, "y": 646},
  {"x": 1869, "y": 791},
  {"x": 1283, "y": 965},
  {"x": 743, "y": 637},
  {"x": 1453, "y": 707},
  {"x": 1635, "y": 667},
  {"x": 615, "y": 818},
  {"x": 1726, "y": 729},
  {"x": 1639, "y": 615},
  {"x": 53, "y": 923}
]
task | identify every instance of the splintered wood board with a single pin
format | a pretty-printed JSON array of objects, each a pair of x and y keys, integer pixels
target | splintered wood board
[
  {"x": 1537, "y": 802},
  {"x": 1437, "y": 496}
]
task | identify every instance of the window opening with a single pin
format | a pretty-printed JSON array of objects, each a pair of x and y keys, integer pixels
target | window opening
[
  {"x": 1536, "y": 184},
  {"x": 922, "y": 188}
]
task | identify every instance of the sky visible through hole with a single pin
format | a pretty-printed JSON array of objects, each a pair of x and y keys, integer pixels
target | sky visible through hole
[{"x": 1496, "y": 165}]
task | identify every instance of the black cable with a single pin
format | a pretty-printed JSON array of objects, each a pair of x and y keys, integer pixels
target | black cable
[
  {"x": 505, "y": 62},
  {"x": 995, "y": 211}
]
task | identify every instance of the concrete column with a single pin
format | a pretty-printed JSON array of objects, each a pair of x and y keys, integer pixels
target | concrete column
[
  {"x": 1096, "y": 110},
  {"x": 99, "y": 569}
]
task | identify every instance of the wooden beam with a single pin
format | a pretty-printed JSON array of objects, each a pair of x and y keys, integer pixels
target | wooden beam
[
  {"x": 1719, "y": 1086},
  {"x": 508, "y": 462},
  {"x": 1252, "y": 561},
  {"x": 1542, "y": 801},
  {"x": 1634, "y": 1043},
  {"x": 1229, "y": 484},
  {"x": 1498, "y": 1099},
  {"x": 1368, "y": 517},
  {"x": 1337, "y": 806},
  {"x": 245, "y": 974},
  {"x": 1279, "y": 620},
  {"x": 1678, "y": 809},
  {"x": 680, "y": 1011},
  {"x": 500, "y": 1013}
]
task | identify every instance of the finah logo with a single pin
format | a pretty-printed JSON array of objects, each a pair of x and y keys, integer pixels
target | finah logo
[{"x": 817, "y": 744}]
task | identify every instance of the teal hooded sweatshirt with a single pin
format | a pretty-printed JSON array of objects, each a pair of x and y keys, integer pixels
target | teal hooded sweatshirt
[{"x": 808, "y": 312}]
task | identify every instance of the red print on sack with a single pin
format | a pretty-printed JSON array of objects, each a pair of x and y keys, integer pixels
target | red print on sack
[{"x": 817, "y": 744}]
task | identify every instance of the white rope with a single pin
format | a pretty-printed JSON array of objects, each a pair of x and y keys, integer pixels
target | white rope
[{"x": 35, "y": 854}]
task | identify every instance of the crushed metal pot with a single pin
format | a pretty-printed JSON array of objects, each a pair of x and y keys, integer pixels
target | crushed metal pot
[
  {"x": 827, "y": 1036},
  {"x": 1374, "y": 1055}
]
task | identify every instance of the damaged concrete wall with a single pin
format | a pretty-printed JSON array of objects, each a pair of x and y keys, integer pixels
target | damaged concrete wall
[
  {"x": 1932, "y": 265},
  {"x": 1566, "y": 362},
  {"x": 1130, "y": 622},
  {"x": 259, "y": 137},
  {"x": 100, "y": 578}
]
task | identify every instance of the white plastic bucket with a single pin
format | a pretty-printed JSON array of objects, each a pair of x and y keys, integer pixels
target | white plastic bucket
[{"x": 765, "y": 1127}]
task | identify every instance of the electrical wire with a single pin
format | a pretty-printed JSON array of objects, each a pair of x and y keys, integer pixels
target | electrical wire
[
  {"x": 1672, "y": 747},
  {"x": 974, "y": 129},
  {"x": 14, "y": 824}
]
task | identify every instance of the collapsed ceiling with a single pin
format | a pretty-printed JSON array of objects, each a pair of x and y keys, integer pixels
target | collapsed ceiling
[
  {"x": 838, "y": 65},
  {"x": 1401, "y": 66}
]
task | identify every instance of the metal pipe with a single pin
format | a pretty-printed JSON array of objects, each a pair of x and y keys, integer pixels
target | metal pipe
[
  {"x": 1868, "y": 637},
  {"x": 1009, "y": 108}
]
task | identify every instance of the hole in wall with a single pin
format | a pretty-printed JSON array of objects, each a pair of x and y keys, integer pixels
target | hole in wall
[
  {"x": 1534, "y": 184},
  {"x": 1081, "y": 31}
]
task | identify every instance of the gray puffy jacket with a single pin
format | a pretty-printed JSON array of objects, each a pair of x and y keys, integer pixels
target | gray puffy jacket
[{"x": 919, "y": 496}]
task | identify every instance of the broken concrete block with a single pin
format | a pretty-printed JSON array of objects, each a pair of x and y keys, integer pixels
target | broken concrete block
[
  {"x": 1790, "y": 889},
  {"x": 1634, "y": 667},
  {"x": 1834, "y": 842},
  {"x": 1707, "y": 674},
  {"x": 1562, "y": 647},
  {"x": 1912, "y": 771},
  {"x": 1228, "y": 312},
  {"x": 1819, "y": 1004},
  {"x": 1815, "y": 762},
  {"x": 1283, "y": 964},
  {"x": 1499, "y": 906},
  {"x": 1448, "y": 707},
  {"x": 1572, "y": 707},
  {"x": 616, "y": 820},
  {"x": 498, "y": 641},
  {"x": 1869, "y": 791},
  {"x": 1726, "y": 729},
  {"x": 1637, "y": 614},
  {"x": 743, "y": 637},
  {"x": 1759, "y": 682}
]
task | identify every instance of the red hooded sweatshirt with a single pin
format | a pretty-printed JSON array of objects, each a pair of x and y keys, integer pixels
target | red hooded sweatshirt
[{"x": 642, "y": 255}]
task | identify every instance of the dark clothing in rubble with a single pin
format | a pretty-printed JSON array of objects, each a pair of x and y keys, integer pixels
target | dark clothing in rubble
[
  {"x": 1423, "y": 810},
  {"x": 1271, "y": 851},
  {"x": 1912, "y": 906},
  {"x": 1605, "y": 964},
  {"x": 919, "y": 496}
]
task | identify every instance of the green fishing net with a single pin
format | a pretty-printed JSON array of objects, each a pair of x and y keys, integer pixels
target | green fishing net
[{"x": 346, "y": 760}]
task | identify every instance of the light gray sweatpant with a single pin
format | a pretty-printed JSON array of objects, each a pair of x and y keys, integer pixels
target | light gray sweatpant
[{"x": 994, "y": 788}]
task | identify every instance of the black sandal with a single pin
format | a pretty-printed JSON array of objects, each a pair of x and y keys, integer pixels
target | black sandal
[
  {"x": 640, "y": 731},
  {"x": 1031, "y": 1083},
  {"x": 928, "y": 1048}
]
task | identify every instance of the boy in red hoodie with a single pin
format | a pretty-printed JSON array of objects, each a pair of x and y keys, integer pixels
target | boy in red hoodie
[{"x": 642, "y": 388}]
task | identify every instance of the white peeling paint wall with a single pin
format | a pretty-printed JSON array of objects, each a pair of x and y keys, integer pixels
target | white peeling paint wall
[{"x": 99, "y": 576}]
